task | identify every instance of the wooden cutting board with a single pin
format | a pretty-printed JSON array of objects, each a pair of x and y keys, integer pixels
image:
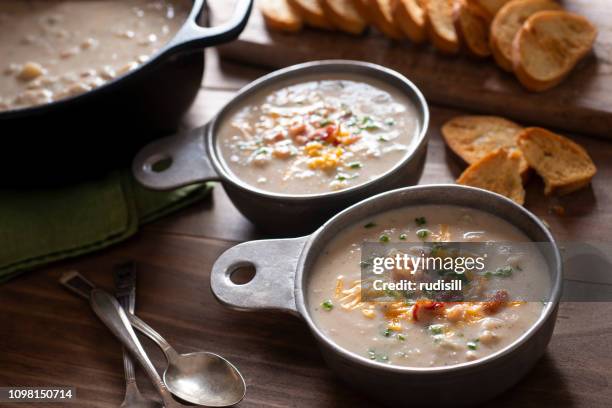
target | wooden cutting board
[{"x": 583, "y": 103}]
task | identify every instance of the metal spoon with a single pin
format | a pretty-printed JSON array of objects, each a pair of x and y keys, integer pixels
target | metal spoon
[
  {"x": 114, "y": 317},
  {"x": 199, "y": 378}
]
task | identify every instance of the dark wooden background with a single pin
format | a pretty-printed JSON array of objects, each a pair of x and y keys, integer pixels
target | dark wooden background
[{"x": 50, "y": 338}]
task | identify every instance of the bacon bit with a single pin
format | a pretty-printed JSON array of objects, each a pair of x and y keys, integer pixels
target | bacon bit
[
  {"x": 415, "y": 312},
  {"x": 437, "y": 307},
  {"x": 495, "y": 302},
  {"x": 297, "y": 130},
  {"x": 327, "y": 134}
]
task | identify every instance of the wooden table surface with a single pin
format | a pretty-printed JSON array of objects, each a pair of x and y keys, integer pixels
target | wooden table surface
[{"x": 50, "y": 338}]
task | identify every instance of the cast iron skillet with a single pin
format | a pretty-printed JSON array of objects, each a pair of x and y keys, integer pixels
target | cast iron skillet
[{"x": 102, "y": 129}]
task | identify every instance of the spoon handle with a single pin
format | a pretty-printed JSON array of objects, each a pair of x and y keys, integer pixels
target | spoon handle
[
  {"x": 114, "y": 317},
  {"x": 148, "y": 331},
  {"x": 78, "y": 284}
]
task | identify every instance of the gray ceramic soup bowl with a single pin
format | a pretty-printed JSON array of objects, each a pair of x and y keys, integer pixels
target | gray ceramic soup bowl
[
  {"x": 282, "y": 269},
  {"x": 195, "y": 157}
]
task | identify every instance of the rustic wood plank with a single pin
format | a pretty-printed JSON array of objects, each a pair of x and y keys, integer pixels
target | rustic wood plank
[{"x": 461, "y": 82}]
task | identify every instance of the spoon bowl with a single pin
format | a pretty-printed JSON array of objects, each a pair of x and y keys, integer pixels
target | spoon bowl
[{"x": 204, "y": 378}]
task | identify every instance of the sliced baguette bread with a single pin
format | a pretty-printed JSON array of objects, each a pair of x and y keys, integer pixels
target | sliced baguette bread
[
  {"x": 472, "y": 29},
  {"x": 474, "y": 137},
  {"x": 344, "y": 15},
  {"x": 279, "y": 15},
  {"x": 410, "y": 16},
  {"x": 312, "y": 13},
  {"x": 563, "y": 165},
  {"x": 440, "y": 25},
  {"x": 498, "y": 172},
  {"x": 363, "y": 8},
  {"x": 488, "y": 8},
  {"x": 383, "y": 18},
  {"x": 548, "y": 47},
  {"x": 507, "y": 23}
]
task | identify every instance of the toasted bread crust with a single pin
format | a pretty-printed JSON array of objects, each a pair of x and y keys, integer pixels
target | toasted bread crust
[
  {"x": 473, "y": 137},
  {"x": 472, "y": 30},
  {"x": 344, "y": 15},
  {"x": 564, "y": 165},
  {"x": 410, "y": 16},
  {"x": 507, "y": 24},
  {"x": 440, "y": 26},
  {"x": 498, "y": 172},
  {"x": 565, "y": 47},
  {"x": 312, "y": 13},
  {"x": 383, "y": 18},
  {"x": 279, "y": 15},
  {"x": 487, "y": 8}
]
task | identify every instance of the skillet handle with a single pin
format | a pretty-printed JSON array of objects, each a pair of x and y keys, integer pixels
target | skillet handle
[
  {"x": 174, "y": 161},
  {"x": 273, "y": 286},
  {"x": 195, "y": 37}
]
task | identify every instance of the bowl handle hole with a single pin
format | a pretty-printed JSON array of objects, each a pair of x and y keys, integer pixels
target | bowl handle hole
[
  {"x": 242, "y": 274},
  {"x": 159, "y": 163}
]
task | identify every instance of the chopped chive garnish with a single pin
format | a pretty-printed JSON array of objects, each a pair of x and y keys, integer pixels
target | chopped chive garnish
[
  {"x": 369, "y": 225},
  {"x": 423, "y": 233},
  {"x": 390, "y": 122},
  {"x": 436, "y": 329},
  {"x": 384, "y": 238},
  {"x": 387, "y": 332},
  {"x": 473, "y": 345},
  {"x": 420, "y": 221},
  {"x": 401, "y": 337},
  {"x": 503, "y": 272},
  {"x": 327, "y": 305},
  {"x": 325, "y": 122},
  {"x": 354, "y": 165},
  {"x": 403, "y": 237}
]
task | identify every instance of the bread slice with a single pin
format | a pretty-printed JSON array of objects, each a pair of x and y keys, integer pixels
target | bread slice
[
  {"x": 410, "y": 17},
  {"x": 488, "y": 8},
  {"x": 363, "y": 8},
  {"x": 383, "y": 18},
  {"x": 280, "y": 16},
  {"x": 440, "y": 25},
  {"x": 472, "y": 29},
  {"x": 344, "y": 15},
  {"x": 474, "y": 137},
  {"x": 507, "y": 23},
  {"x": 548, "y": 47},
  {"x": 563, "y": 165},
  {"x": 312, "y": 13},
  {"x": 498, "y": 172}
]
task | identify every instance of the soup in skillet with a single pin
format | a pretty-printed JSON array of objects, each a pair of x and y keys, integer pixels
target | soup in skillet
[
  {"x": 425, "y": 333},
  {"x": 319, "y": 135},
  {"x": 53, "y": 49}
]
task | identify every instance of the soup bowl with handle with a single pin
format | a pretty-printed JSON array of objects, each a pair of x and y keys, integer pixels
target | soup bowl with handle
[
  {"x": 281, "y": 281},
  {"x": 195, "y": 156}
]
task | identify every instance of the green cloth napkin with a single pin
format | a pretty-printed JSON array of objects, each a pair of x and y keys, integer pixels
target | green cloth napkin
[{"x": 42, "y": 226}]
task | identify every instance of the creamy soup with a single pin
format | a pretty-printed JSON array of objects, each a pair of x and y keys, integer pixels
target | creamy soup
[
  {"x": 422, "y": 332},
  {"x": 54, "y": 49},
  {"x": 319, "y": 135}
]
